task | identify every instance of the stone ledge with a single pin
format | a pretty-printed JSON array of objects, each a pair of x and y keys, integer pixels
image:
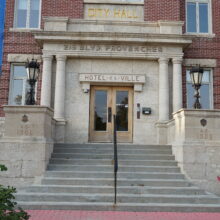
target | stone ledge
[
  {"x": 120, "y": 2},
  {"x": 28, "y": 108},
  {"x": 200, "y": 62},
  {"x": 22, "y": 58}
]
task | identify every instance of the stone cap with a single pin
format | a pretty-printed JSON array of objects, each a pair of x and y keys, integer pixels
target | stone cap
[{"x": 27, "y": 109}]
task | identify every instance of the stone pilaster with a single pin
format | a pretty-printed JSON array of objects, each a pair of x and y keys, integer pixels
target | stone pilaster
[
  {"x": 46, "y": 80},
  {"x": 163, "y": 89},
  {"x": 177, "y": 84},
  {"x": 59, "y": 104}
]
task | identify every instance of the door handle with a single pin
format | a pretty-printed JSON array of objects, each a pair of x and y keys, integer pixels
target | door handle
[{"x": 109, "y": 114}]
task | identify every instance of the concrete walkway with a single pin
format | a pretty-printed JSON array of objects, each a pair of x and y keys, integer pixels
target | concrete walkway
[{"x": 93, "y": 215}]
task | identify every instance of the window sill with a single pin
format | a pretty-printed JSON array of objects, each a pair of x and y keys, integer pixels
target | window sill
[
  {"x": 118, "y": 2},
  {"x": 24, "y": 29},
  {"x": 207, "y": 35}
]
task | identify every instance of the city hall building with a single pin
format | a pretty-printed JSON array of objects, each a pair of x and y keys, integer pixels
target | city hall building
[{"x": 100, "y": 58}]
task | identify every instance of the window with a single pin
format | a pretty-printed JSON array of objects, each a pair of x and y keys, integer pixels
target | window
[
  {"x": 18, "y": 86},
  {"x": 206, "y": 90},
  {"x": 198, "y": 16},
  {"x": 27, "y": 13}
]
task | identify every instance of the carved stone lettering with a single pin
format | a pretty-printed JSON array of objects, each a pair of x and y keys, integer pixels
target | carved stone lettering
[
  {"x": 113, "y": 48},
  {"x": 114, "y": 12},
  {"x": 25, "y": 130},
  {"x": 112, "y": 78}
]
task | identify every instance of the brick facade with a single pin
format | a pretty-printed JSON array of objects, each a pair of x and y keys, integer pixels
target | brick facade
[
  {"x": 207, "y": 48},
  {"x": 24, "y": 43},
  {"x": 155, "y": 10}
]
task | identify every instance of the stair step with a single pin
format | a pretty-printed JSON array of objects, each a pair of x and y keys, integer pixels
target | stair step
[
  {"x": 150, "y": 207},
  {"x": 101, "y": 174},
  {"x": 97, "y": 168},
  {"x": 110, "y": 181},
  {"x": 110, "y": 146},
  {"x": 77, "y": 161},
  {"x": 108, "y": 189},
  {"x": 122, "y": 198},
  {"x": 109, "y": 156},
  {"x": 110, "y": 151},
  {"x": 80, "y": 177}
]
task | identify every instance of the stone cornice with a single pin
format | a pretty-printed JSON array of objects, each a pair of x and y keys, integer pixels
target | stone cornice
[
  {"x": 53, "y": 36},
  {"x": 114, "y": 23}
]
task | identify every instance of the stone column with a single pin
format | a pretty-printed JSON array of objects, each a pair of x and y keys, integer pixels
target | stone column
[
  {"x": 60, "y": 88},
  {"x": 177, "y": 84},
  {"x": 46, "y": 80},
  {"x": 163, "y": 90}
]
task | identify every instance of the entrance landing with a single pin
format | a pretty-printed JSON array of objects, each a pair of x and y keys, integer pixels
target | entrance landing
[{"x": 93, "y": 215}]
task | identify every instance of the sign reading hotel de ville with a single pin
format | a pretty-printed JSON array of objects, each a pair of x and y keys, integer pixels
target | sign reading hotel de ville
[
  {"x": 106, "y": 78},
  {"x": 114, "y": 12}
]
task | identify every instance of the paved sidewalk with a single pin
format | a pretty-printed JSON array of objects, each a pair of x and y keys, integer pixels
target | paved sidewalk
[{"x": 95, "y": 215}]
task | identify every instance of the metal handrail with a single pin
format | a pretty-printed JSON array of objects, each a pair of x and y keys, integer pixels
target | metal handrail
[{"x": 115, "y": 158}]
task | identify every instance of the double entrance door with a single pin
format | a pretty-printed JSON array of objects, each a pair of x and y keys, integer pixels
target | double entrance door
[{"x": 106, "y": 102}]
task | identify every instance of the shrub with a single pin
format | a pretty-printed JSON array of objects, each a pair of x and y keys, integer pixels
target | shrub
[{"x": 8, "y": 205}]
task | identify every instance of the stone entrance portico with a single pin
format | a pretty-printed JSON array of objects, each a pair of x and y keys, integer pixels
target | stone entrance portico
[{"x": 155, "y": 49}]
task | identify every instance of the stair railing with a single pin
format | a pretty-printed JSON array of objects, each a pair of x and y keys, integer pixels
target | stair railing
[{"x": 115, "y": 158}]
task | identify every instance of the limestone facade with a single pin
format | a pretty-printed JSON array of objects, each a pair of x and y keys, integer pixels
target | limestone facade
[{"x": 110, "y": 43}]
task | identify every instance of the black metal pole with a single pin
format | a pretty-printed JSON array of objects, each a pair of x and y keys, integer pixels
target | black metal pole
[
  {"x": 197, "y": 104},
  {"x": 115, "y": 158},
  {"x": 30, "y": 96}
]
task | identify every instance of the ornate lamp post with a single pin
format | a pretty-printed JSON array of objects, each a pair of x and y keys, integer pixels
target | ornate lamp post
[
  {"x": 196, "y": 74},
  {"x": 32, "y": 75}
]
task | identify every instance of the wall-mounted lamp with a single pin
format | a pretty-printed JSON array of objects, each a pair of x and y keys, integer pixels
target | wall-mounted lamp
[
  {"x": 196, "y": 74},
  {"x": 32, "y": 69}
]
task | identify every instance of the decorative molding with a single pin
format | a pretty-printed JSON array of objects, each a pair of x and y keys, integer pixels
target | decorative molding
[
  {"x": 22, "y": 58},
  {"x": 211, "y": 63}
]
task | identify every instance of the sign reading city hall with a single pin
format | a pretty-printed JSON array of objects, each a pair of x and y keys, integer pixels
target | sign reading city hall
[{"x": 114, "y": 12}]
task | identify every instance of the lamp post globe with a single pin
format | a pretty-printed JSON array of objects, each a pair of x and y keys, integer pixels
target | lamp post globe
[
  {"x": 196, "y": 74},
  {"x": 32, "y": 69}
]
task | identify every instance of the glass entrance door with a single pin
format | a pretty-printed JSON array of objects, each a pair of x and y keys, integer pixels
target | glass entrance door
[{"x": 106, "y": 102}]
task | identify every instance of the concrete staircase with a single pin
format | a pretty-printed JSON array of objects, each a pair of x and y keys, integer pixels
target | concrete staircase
[{"x": 81, "y": 177}]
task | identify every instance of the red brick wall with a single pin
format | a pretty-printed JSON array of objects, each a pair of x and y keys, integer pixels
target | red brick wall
[
  {"x": 162, "y": 10},
  {"x": 24, "y": 43},
  {"x": 66, "y": 8},
  {"x": 21, "y": 42},
  {"x": 207, "y": 48}
]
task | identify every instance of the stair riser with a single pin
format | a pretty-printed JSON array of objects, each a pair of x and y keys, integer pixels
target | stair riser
[
  {"x": 111, "y": 175},
  {"x": 110, "y": 146},
  {"x": 120, "y": 157},
  {"x": 109, "y": 162},
  {"x": 179, "y": 200},
  {"x": 80, "y": 162},
  {"x": 111, "y": 190},
  {"x": 98, "y": 182},
  {"x": 110, "y": 169},
  {"x": 110, "y": 151},
  {"x": 101, "y": 207},
  {"x": 109, "y": 198},
  {"x": 59, "y": 198}
]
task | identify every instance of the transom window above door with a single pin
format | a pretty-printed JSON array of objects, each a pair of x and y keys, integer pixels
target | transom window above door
[
  {"x": 198, "y": 16},
  {"x": 27, "y": 13}
]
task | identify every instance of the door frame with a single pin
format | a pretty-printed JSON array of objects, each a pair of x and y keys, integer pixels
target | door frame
[{"x": 107, "y": 136}]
